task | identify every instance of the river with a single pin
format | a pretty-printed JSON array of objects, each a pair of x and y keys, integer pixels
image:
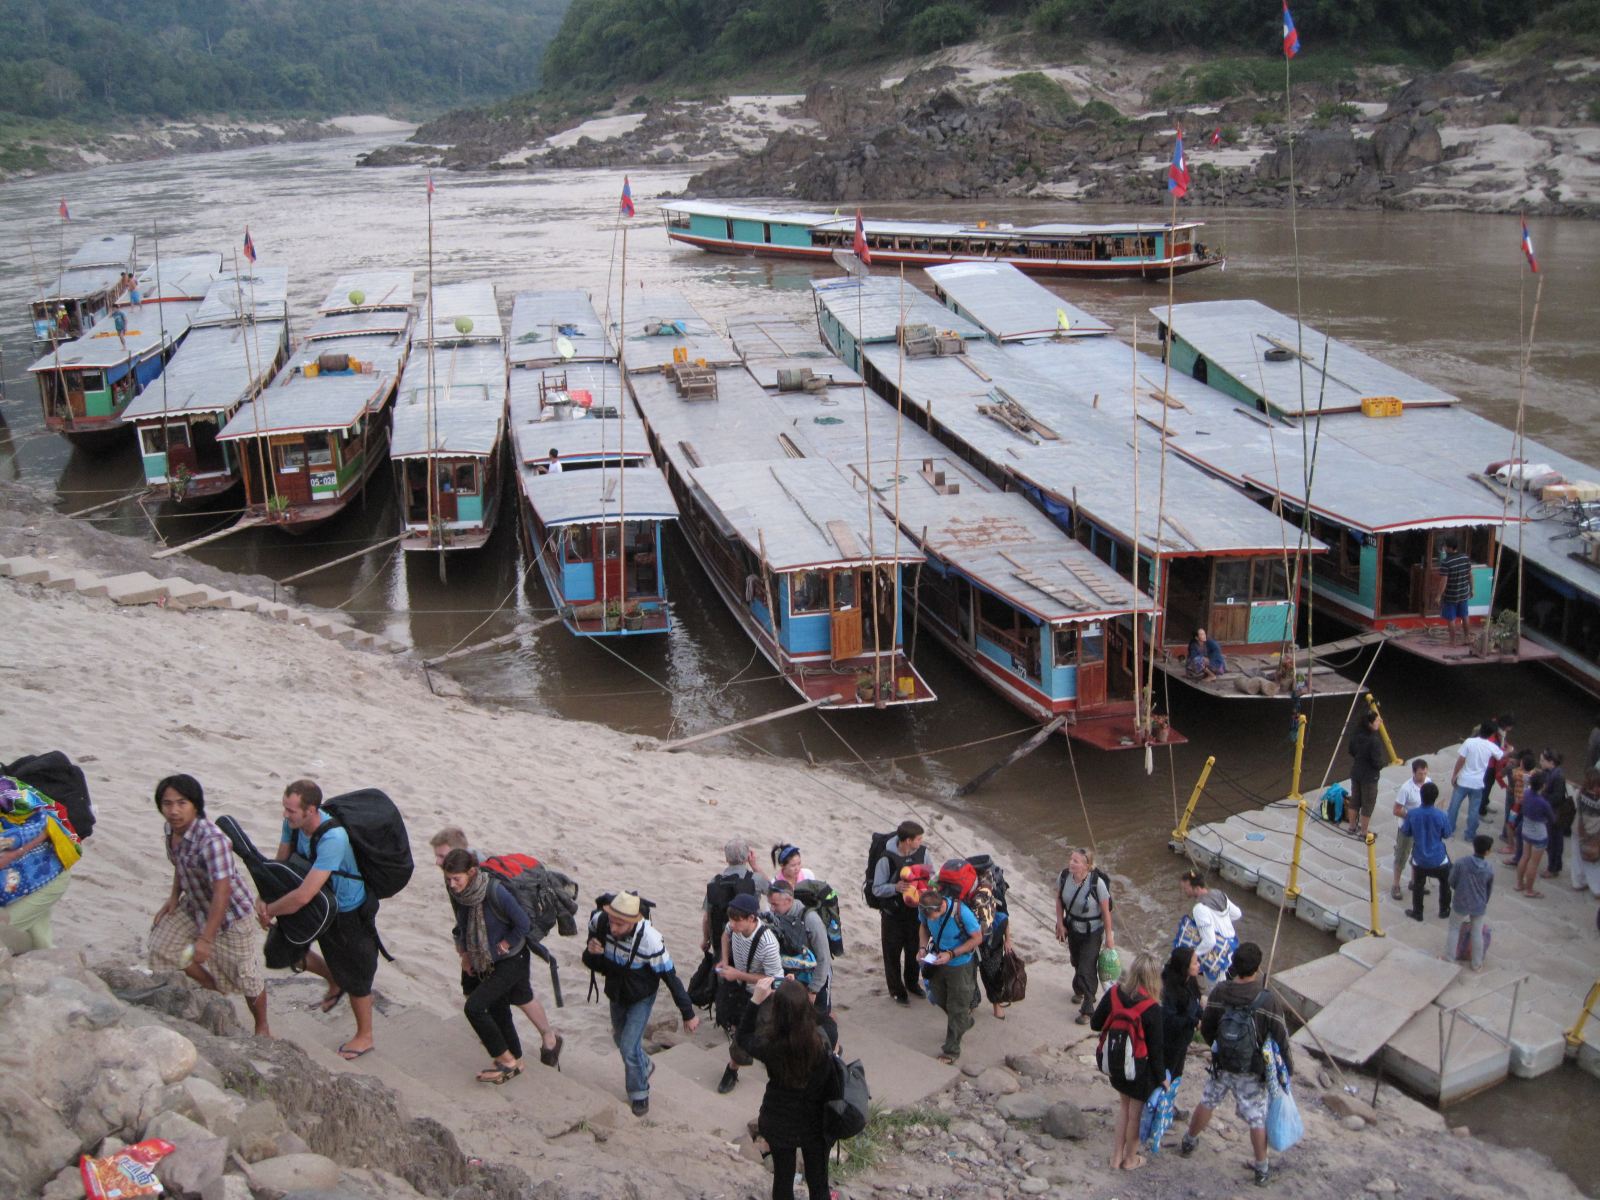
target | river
[{"x": 1440, "y": 295}]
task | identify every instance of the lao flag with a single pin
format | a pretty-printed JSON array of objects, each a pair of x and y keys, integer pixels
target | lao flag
[
  {"x": 627, "y": 197},
  {"x": 65, "y": 215},
  {"x": 430, "y": 183},
  {"x": 1178, "y": 171},
  {"x": 1527, "y": 247},
  {"x": 249, "y": 246},
  {"x": 1291, "y": 39},
  {"x": 859, "y": 244},
  {"x": 1216, "y": 136}
]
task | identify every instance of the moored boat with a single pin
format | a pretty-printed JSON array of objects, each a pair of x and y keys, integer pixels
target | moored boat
[
  {"x": 1134, "y": 250},
  {"x": 88, "y": 285},
  {"x": 449, "y": 422},
  {"x": 237, "y": 340},
  {"x": 311, "y": 439}
]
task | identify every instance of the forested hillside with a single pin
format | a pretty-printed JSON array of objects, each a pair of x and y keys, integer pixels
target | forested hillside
[
  {"x": 180, "y": 58},
  {"x": 602, "y": 42}
]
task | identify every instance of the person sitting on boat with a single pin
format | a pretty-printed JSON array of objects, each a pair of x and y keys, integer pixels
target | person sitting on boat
[
  {"x": 553, "y": 467},
  {"x": 63, "y": 321},
  {"x": 1204, "y": 660}
]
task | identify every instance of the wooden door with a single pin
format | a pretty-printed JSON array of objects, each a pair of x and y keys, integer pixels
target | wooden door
[
  {"x": 1091, "y": 667},
  {"x": 1230, "y": 623},
  {"x": 846, "y": 629},
  {"x": 447, "y": 503},
  {"x": 294, "y": 486}
]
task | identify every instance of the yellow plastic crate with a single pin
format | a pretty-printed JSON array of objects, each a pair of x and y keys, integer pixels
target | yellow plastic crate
[{"x": 1381, "y": 406}]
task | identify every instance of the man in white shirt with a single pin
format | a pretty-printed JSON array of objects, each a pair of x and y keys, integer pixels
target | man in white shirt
[
  {"x": 1467, "y": 781},
  {"x": 1407, "y": 798},
  {"x": 749, "y": 954}
]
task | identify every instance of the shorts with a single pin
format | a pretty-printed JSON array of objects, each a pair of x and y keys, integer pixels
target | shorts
[
  {"x": 350, "y": 948},
  {"x": 1363, "y": 797},
  {"x": 1249, "y": 1096},
  {"x": 235, "y": 961},
  {"x": 1535, "y": 843},
  {"x": 1402, "y": 849},
  {"x": 1453, "y": 610}
]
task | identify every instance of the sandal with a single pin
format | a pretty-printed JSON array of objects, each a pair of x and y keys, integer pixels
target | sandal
[
  {"x": 1534, "y": 894},
  {"x": 329, "y": 1002},
  {"x": 498, "y": 1074},
  {"x": 552, "y": 1056},
  {"x": 1395, "y": 894},
  {"x": 1138, "y": 1161},
  {"x": 947, "y": 1060}
]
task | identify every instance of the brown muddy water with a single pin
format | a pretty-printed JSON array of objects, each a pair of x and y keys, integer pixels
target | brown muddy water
[{"x": 1439, "y": 295}]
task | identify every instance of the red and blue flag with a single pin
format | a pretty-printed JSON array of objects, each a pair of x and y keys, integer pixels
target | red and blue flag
[
  {"x": 1178, "y": 170},
  {"x": 249, "y": 246},
  {"x": 1527, "y": 247},
  {"x": 65, "y": 215},
  {"x": 627, "y": 197},
  {"x": 858, "y": 244},
  {"x": 1216, "y": 136},
  {"x": 1291, "y": 39}
]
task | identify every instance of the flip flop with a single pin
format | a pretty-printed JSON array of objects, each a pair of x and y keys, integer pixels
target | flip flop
[
  {"x": 947, "y": 1060},
  {"x": 331, "y": 1001},
  {"x": 350, "y": 1055},
  {"x": 498, "y": 1074}
]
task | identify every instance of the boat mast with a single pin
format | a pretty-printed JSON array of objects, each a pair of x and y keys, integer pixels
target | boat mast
[
  {"x": 872, "y": 541},
  {"x": 161, "y": 322},
  {"x": 244, "y": 339},
  {"x": 1140, "y": 723},
  {"x": 435, "y": 518},
  {"x": 622, "y": 458}
]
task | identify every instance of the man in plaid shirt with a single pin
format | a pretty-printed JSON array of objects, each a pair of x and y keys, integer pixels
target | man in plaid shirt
[{"x": 204, "y": 929}]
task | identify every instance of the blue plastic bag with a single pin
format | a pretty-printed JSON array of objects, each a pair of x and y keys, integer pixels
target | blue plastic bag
[
  {"x": 1284, "y": 1127},
  {"x": 1158, "y": 1113}
]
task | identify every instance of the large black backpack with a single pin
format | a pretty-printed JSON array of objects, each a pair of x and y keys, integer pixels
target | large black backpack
[
  {"x": 719, "y": 894},
  {"x": 275, "y": 880},
  {"x": 378, "y": 839},
  {"x": 1238, "y": 1045},
  {"x": 548, "y": 897},
  {"x": 60, "y": 779}
]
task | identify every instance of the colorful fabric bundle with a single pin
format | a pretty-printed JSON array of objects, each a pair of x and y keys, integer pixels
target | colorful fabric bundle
[
  {"x": 24, "y": 815},
  {"x": 1215, "y": 963}
]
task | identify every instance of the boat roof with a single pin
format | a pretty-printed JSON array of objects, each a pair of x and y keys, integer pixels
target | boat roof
[
  {"x": 579, "y": 497},
  {"x": 263, "y": 292},
  {"x": 149, "y": 329},
  {"x": 296, "y": 403},
  {"x": 819, "y": 220},
  {"x": 1008, "y": 306},
  {"x": 96, "y": 266},
  {"x": 769, "y": 344},
  {"x": 799, "y": 513},
  {"x": 1090, "y": 459},
  {"x": 104, "y": 250},
  {"x": 591, "y": 439},
  {"x": 537, "y": 319},
  {"x": 474, "y": 300},
  {"x": 874, "y": 308},
  {"x": 659, "y": 324},
  {"x": 469, "y": 403},
  {"x": 601, "y": 380},
  {"x": 378, "y": 289},
  {"x": 365, "y": 322},
  {"x": 215, "y": 368},
  {"x": 1233, "y": 336},
  {"x": 741, "y": 425},
  {"x": 178, "y": 277}
]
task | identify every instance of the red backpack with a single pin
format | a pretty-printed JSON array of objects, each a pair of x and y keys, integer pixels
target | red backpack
[{"x": 1122, "y": 1046}]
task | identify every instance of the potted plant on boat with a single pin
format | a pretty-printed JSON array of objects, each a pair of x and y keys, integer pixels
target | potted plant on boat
[
  {"x": 278, "y": 507},
  {"x": 613, "y": 615}
]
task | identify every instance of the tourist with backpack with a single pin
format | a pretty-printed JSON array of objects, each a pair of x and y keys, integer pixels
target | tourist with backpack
[
  {"x": 949, "y": 935},
  {"x": 204, "y": 927},
  {"x": 888, "y": 857},
  {"x": 1210, "y": 928},
  {"x": 801, "y": 930},
  {"x": 349, "y": 958},
  {"x": 491, "y": 937},
  {"x": 627, "y": 951},
  {"x": 1132, "y": 1051},
  {"x": 749, "y": 955},
  {"x": 1239, "y": 1017},
  {"x": 1083, "y": 922},
  {"x": 780, "y": 1030},
  {"x": 738, "y": 878},
  {"x": 988, "y": 904}
]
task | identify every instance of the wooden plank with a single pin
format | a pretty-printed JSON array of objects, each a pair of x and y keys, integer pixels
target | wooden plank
[
  {"x": 747, "y": 723},
  {"x": 1089, "y": 583},
  {"x": 1021, "y": 752},
  {"x": 213, "y": 536},
  {"x": 83, "y": 512},
  {"x": 503, "y": 640},
  {"x": 844, "y": 538},
  {"x": 346, "y": 558}
]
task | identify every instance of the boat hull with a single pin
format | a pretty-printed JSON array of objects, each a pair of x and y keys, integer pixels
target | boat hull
[
  {"x": 657, "y": 620},
  {"x": 97, "y": 436}
]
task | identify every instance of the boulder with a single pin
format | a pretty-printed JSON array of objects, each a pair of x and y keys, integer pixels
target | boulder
[
  {"x": 217, "y": 1110},
  {"x": 1023, "y": 1106},
  {"x": 1029, "y": 1066},
  {"x": 256, "y": 1131},
  {"x": 67, "y": 1185},
  {"x": 1066, "y": 1121},
  {"x": 294, "y": 1173},
  {"x": 175, "y": 1128},
  {"x": 1407, "y": 145},
  {"x": 1342, "y": 1104},
  {"x": 194, "y": 1168},
  {"x": 997, "y": 1081}
]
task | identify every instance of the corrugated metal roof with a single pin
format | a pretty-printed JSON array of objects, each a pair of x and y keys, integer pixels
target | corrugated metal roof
[
  {"x": 178, "y": 277},
  {"x": 475, "y": 300},
  {"x": 740, "y": 425},
  {"x": 1234, "y": 335},
  {"x": 378, "y": 289},
  {"x": 1008, "y": 306},
  {"x": 881, "y": 305},
  {"x": 263, "y": 291},
  {"x": 773, "y": 344},
  {"x": 214, "y": 369},
  {"x": 106, "y": 250},
  {"x": 927, "y": 228},
  {"x": 80, "y": 281},
  {"x": 660, "y": 323},
  {"x": 574, "y": 497},
  {"x": 364, "y": 322},
  {"x": 295, "y": 403},
  {"x": 586, "y": 439},
  {"x": 469, "y": 384},
  {"x": 150, "y": 326},
  {"x": 537, "y": 320}
]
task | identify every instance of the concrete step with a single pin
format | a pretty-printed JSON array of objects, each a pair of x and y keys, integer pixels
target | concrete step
[
  {"x": 61, "y": 580},
  {"x": 137, "y": 587},
  {"x": 87, "y": 583},
  {"x": 24, "y": 569},
  {"x": 183, "y": 593}
]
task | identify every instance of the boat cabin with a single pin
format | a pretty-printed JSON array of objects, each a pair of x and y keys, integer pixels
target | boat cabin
[{"x": 89, "y": 284}]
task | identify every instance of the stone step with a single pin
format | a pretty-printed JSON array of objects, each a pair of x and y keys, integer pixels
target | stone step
[
  {"x": 183, "y": 593},
  {"x": 24, "y": 569},
  {"x": 61, "y": 580},
  {"x": 137, "y": 587}
]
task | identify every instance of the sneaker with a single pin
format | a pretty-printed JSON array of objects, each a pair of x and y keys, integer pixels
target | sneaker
[
  {"x": 1261, "y": 1170},
  {"x": 1413, "y": 914},
  {"x": 903, "y": 999},
  {"x": 641, "y": 1107},
  {"x": 1186, "y": 1147},
  {"x": 730, "y": 1080},
  {"x": 1081, "y": 1019}
]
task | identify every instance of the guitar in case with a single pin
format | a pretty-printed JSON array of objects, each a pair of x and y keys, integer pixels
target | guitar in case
[{"x": 274, "y": 880}]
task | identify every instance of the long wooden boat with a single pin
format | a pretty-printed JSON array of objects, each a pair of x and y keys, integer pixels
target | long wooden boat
[
  {"x": 89, "y": 284},
  {"x": 1135, "y": 250},
  {"x": 238, "y": 339},
  {"x": 449, "y": 423},
  {"x": 311, "y": 440},
  {"x": 1029, "y": 415},
  {"x": 1004, "y": 589},
  {"x": 1400, "y": 470},
  {"x": 802, "y": 562},
  {"x": 86, "y": 384},
  {"x": 593, "y": 504}
]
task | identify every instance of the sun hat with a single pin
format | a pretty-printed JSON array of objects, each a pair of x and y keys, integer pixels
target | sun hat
[
  {"x": 745, "y": 905},
  {"x": 624, "y": 906}
]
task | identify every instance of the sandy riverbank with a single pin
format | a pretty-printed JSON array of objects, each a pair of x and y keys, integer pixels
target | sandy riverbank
[{"x": 246, "y": 704}]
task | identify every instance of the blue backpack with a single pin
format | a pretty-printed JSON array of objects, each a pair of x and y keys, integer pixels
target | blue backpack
[{"x": 1332, "y": 809}]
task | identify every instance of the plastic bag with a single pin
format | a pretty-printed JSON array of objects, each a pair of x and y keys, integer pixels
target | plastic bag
[
  {"x": 1110, "y": 966},
  {"x": 1284, "y": 1127},
  {"x": 1158, "y": 1113},
  {"x": 127, "y": 1174}
]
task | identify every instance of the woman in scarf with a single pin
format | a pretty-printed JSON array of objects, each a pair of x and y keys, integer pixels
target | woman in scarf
[{"x": 491, "y": 934}]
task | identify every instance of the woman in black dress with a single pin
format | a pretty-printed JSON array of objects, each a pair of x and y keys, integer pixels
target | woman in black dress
[
  {"x": 780, "y": 1030},
  {"x": 1180, "y": 1007},
  {"x": 1135, "y": 999}
]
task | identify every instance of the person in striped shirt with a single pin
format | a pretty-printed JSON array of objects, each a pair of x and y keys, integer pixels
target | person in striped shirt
[{"x": 1457, "y": 571}]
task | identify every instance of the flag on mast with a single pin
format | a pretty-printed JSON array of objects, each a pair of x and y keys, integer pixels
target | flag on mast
[
  {"x": 1216, "y": 136},
  {"x": 1527, "y": 247},
  {"x": 1178, "y": 170},
  {"x": 65, "y": 215},
  {"x": 627, "y": 198},
  {"x": 249, "y": 247},
  {"x": 858, "y": 244},
  {"x": 430, "y": 183},
  {"x": 1291, "y": 39}
]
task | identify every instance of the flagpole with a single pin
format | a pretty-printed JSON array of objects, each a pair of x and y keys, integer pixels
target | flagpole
[{"x": 435, "y": 517}]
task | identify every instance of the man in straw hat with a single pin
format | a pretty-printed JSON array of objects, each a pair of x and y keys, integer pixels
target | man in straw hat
[{"x": 626, "y": 950}]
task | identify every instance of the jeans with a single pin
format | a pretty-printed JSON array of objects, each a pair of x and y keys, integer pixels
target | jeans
[
  {"x": 1419, "y": 888},
  {"x": 953, "y": 989},
  {"x": 489, "y": 1002},
  {"x": 816, "y": 1159},
  {"x": 1084, "y": 950},
  {"x": 900, "y": 936},
  {"x": 1474, "y": 934},
  {"x": 628, "y": 1023},
  {"x": 1474, "y": 796}
]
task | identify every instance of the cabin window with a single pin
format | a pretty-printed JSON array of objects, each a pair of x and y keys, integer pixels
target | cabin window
[
  {"x": 1269, "y": 580},
  {"x": 1230, "y": 581},
  {"x": 844, "y": 590},
  {"x": 291, "y": 458},
  {"x": 578, "y": 542},
  {"x": 464, "y": 479},
  {"x": 318, "y": 450},
  {"x": 729, "y": 225},
  {"x": 93, "y": 381},
  {"x": 677, "y": 219},
  {"x": 766, "y": 232},
  {"x": 996, "y": 617},
  {"x": 808, "y": 592},
  {"x": 1066, "y": 643},
  {"x": 157, "y": 438}
]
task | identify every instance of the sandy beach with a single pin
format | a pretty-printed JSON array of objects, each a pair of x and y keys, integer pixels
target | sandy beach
[{"x": 247, "y": 704}]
